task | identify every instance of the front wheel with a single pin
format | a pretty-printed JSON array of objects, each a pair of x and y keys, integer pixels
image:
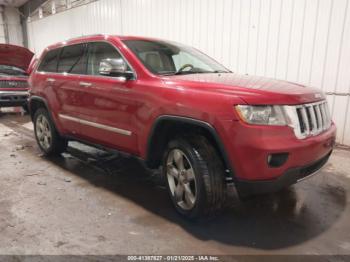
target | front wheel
[
  {"x": 46, "y": 135},
  {"x": 195, "y": 177}
]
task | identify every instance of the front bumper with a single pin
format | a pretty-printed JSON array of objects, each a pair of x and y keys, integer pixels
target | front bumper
[
  {"x": 248, "y": 149},
  {"x": 291, "y": 176},
  {"x": 13, "y": 98}
]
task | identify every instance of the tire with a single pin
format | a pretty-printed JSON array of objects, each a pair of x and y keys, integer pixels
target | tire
[
  {"x": 47, "y": 137},
  {"x": 202, "y": 171}
]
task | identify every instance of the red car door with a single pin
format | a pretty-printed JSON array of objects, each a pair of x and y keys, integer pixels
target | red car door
[
  {"x": 59, "y": 75},
  {"x": 47, "y": 83},
  {"x": 69, "y": 94},
  {"x": 108, "y": 108}
]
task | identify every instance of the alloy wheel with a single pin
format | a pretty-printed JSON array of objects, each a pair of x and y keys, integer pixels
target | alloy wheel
[
  {"x": 43, "y": 132},
  {"x": 181, "y": 179}
]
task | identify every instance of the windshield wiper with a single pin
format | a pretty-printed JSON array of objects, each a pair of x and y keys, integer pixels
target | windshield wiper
[
  {"x": 185, "y": 73},
  {"x": 218, "y": 71},
  {"x": 193, "y": 72}
]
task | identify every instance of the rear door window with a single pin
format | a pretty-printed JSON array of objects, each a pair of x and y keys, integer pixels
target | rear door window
[
  {"x": 49, "y": 62},
  {"x": 73, "y": 59}
]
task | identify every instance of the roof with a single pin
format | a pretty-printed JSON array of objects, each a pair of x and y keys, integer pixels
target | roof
[{"x": 96, "y": 37}]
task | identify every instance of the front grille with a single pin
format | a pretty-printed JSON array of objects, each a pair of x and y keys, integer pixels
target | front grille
[
  {"x": 309, "y": 119},
  {"x": 13, "y": 84},
  {"x": 13, "y": 98}
]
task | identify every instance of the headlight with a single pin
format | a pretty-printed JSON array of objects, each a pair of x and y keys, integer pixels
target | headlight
[{"x": 262, "y": 115}]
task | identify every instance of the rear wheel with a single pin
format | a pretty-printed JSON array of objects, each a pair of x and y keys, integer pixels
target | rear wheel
[
  {"x": 195, "y": 177},
  {"x": 46, "y": 135}
]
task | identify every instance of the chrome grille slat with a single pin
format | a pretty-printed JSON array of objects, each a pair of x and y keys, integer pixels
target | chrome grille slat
[
  {"x": 13, "y": 84},
  {"x": 313, "y": 119},
  {"x": 324, "y": 116},
  {"x": 309, "y": 119},
  {"x": 328, "y": 116},
  {"x": 319, "y": 117},
  {"x": 305, "y": 120}
]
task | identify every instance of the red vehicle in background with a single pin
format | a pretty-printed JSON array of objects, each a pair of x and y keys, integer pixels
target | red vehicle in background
[
  {"x": 172, "y": 106},
  {"x": 15, "y": 65}
]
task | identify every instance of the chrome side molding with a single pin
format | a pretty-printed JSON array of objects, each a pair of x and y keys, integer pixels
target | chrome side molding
[{"x": 96, "y": 125}]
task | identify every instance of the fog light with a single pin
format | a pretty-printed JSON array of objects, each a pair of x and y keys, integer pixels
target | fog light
[{"x": 277, "y": 160}]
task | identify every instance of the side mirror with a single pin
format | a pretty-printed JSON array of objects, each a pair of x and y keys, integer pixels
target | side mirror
[{"x": 114, "y": 67}]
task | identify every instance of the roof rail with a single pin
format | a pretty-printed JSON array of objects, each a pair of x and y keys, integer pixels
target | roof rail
[{"x": 84, "y": 36}]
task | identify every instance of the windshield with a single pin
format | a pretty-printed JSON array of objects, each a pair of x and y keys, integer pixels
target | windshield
[
  {"x": 6, "y": 70},
  {"x": 165, "y": 58}
]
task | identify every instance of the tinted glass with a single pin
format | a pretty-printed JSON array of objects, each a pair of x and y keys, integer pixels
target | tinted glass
[
  {"x": 11, "y": 70},
  {"x": 72, "y": 60},
  {"x": 49, "y": 63},
  {"x": 168, "y": 58},
  {"x": 97, "y": 52}
]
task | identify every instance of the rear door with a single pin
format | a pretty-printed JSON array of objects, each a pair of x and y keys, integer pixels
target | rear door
[
  {"x": 46, "y": 82},
  {"x": 57, "y": 80},
  {"x": 71, "y": 65}
]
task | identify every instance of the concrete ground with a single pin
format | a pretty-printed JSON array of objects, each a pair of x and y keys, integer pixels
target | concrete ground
[{"x": 92, "y": 202}]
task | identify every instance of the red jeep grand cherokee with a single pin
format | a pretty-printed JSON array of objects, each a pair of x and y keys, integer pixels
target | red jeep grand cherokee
[
  {"x": 173, "y": 106},
  {"x": 14, "y": 64}
]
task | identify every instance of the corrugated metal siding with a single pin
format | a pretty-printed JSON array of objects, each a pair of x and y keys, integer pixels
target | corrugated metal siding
[
  {"x": 306, "y": 41},
  {"x": 13, "y": 26},
  {"x": 98, "y": 17},
  {"x": 2, "y": 31}
]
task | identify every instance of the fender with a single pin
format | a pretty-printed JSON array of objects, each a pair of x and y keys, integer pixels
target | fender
[
  {"x": 37, "y": 98},
  {"x": 43, "y": 100},
  {"x": 195, "y": 122}
]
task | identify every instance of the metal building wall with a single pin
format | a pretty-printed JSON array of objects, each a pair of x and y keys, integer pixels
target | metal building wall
[
  {"x": 305, "y": 41},
  {"x": 97, "y": 17},
  {"x": 2, "y": 28},
  {"x": 13, "y": 27}
]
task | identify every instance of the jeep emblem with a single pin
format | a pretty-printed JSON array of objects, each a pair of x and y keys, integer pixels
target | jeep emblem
[{"x": 318, "y": 95}]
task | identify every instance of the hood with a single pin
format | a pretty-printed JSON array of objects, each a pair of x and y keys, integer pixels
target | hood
[
  {"x": 252, "y": 89},
  {"x": 17, "y": 56}
]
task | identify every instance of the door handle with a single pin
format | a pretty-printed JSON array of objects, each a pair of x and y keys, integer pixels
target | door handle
[
  {"x": 50, "y": 80},
  {"x": 85, "y": 84}
]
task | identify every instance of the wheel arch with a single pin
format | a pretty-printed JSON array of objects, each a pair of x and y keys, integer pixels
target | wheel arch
[
  {"x": 36, "y": 102},
  {"x": 167, "y": 127}
]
